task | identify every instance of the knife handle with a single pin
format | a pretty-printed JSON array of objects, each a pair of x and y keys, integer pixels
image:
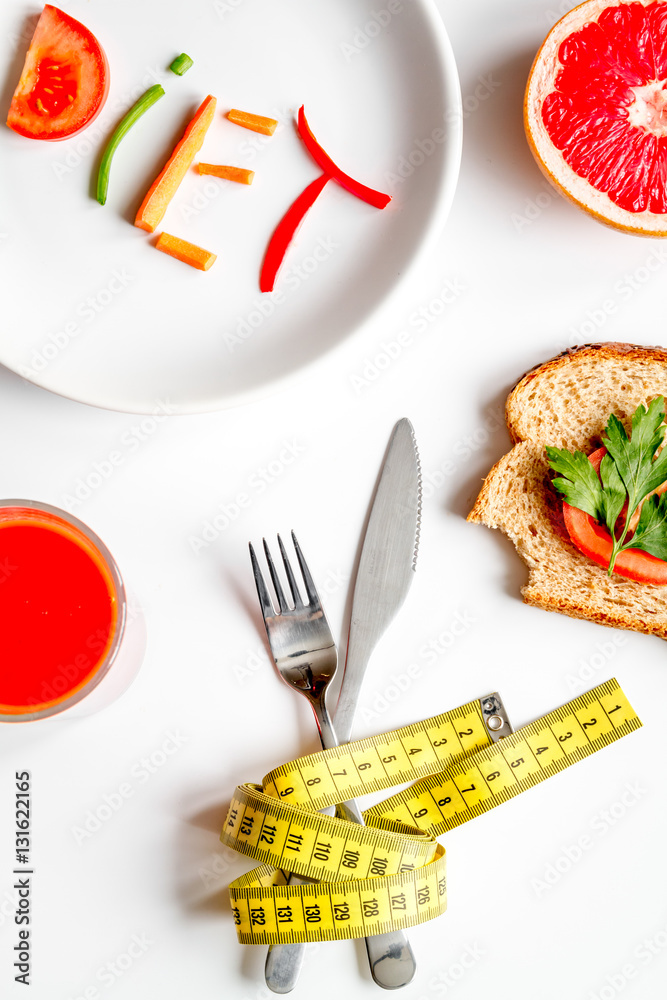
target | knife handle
[{"x": 390, "y": 955}]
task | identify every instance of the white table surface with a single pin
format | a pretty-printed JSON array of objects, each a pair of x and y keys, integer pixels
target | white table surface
[{"x": 531, "y": 914}]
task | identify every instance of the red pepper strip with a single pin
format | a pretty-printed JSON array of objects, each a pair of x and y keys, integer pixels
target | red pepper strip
[
  {"x": 370, "y": 195},
  {"x": 285, "y": 230}
]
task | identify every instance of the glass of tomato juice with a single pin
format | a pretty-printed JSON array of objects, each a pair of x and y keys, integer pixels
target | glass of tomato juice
[{"x": 63, "y": 610}]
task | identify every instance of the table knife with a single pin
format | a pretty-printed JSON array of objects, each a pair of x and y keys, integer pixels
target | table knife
[
  {"x": 386, "y": 570},
  {"x": 387, "y": 565}
]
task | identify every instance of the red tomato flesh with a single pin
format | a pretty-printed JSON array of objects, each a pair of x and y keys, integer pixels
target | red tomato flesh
[
  {"x": 64, "y": 82},
  {"x": 595, "y": 541}
]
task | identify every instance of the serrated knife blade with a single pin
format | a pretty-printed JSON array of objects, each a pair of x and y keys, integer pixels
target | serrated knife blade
[{"x": 387, "y": 564}]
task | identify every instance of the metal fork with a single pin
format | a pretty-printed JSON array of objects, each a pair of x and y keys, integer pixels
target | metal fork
[{"x": 305, "y": 655}]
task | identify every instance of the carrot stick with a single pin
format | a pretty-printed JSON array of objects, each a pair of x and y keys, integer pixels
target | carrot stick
[
  {"x": 238, "y": 174},
  {"x": 189, "y": 253},
  {"x": 165, "y": 185},
  {"x": 256, "y": 123}
]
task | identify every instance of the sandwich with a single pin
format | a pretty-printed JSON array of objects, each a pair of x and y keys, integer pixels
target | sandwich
[{"x": 580, "y": 494}]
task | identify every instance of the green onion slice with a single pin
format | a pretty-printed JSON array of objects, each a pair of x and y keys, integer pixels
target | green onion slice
[
  {"x": 152, "y": 95},
  {"x": 181, "y": 64}
]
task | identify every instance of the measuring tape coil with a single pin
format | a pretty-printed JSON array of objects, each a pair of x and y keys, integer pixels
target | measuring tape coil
[{"x": 391, "y": 873}]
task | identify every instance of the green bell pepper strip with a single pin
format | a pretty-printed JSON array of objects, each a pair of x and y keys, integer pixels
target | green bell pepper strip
[{"x": 152, "y": 95}]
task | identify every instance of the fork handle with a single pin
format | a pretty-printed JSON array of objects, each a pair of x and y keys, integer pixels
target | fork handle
[
  {"x": 284, "y": 961},
  {"x": 390, "y": 956}
]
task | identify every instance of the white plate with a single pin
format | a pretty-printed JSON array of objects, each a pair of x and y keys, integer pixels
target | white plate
[{"x": 93, "y": 312}]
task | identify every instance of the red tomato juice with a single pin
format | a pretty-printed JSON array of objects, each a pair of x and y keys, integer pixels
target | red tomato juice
[{"x": 58, "y": 611}]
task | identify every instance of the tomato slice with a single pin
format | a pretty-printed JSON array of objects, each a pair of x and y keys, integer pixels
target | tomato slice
[
  {"x": 64, "y": 82},
  {"x": 595, "y": 541}
]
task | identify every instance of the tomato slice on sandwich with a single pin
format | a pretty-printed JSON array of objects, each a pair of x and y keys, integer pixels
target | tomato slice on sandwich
[
  {"x": 594, "y": 541},
  {"x": 64, "y": 82}
]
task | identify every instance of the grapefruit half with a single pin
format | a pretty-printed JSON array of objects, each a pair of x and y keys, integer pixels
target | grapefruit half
[{"x": 595, "y": 112}]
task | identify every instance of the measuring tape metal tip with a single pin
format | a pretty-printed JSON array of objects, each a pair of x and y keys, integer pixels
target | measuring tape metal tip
[{"x": 495, "y": 716}]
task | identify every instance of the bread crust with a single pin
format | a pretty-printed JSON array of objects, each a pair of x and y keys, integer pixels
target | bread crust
[{"x": 566, "y": 402}]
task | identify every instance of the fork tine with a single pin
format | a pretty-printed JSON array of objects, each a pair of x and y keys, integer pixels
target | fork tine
[
  {"x": 282, "y": 603},
  {"x": 313, "y": 596},
  {"x": 291, "y": 579},
  {"x": 262, "y": 591}
]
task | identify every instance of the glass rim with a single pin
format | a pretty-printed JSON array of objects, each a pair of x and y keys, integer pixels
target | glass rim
[{"x": 37, "y": 506}]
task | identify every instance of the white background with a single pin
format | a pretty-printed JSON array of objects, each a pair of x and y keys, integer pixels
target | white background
[{"x": 533, "y": 276}]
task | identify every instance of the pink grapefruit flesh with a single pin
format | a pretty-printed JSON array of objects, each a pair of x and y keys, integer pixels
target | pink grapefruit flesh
[{"x": 596, "y": 111}]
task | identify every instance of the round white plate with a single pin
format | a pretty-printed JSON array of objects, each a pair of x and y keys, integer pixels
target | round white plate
[{"x": 93, "y": 312}]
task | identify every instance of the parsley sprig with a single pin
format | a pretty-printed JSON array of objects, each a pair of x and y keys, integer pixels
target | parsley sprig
[{"x": 629, "y": 472}]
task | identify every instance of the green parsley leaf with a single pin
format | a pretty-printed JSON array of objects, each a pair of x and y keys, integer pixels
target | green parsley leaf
[
  {"x": 651, "y": 531},
  {"x": 614, "y": 493},
  {"x": 629, "y": 472},
  {"x": 633, "y": 456},
  {"x": 580, "y": 484}
]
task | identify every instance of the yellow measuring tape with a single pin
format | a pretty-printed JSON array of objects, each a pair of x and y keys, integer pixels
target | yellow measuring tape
[{"x": 391, "y": 873}]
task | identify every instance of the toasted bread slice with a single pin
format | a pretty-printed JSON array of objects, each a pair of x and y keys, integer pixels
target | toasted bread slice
[{"x": 566, "y": 402}]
